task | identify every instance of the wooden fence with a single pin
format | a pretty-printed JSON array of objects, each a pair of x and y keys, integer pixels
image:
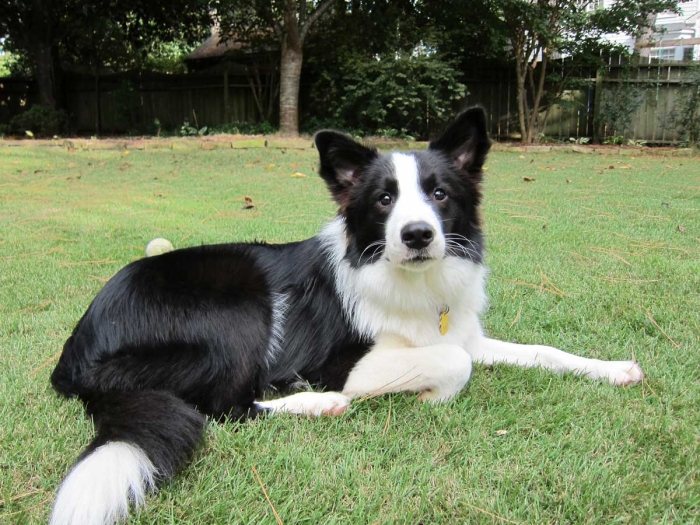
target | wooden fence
[
  {"x": 660, "y": 85},
  {"x": 134, "y": 102}
]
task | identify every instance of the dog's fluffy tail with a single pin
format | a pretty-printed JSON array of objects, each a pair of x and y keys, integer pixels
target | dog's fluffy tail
[{"x": 143, "y": 439}]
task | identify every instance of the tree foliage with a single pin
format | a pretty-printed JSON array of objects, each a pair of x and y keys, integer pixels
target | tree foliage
[
  {"x": 50, "y": 35},
  {"x": 617, "y": 107},
  {"x": 404, "y": 94},
  {"x": 685, "y": 116},
  {"x": 540, "y": 31}
]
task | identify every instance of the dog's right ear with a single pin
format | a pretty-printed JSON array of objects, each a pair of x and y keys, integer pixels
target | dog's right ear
[{"x": 342, "y": 162}]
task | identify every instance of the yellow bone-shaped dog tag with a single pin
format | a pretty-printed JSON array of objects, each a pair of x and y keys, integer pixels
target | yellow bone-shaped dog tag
[{"x": 444, "y": 321}]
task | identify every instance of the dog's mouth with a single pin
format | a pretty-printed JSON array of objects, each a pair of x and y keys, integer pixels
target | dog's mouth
[{"x": 418, "y": 260}]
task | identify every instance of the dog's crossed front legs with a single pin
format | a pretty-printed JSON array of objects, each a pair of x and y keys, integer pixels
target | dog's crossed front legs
[{"x": 439, "y": 372}]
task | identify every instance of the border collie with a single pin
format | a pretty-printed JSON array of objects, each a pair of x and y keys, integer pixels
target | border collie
[{"x": 386, "y": 298}]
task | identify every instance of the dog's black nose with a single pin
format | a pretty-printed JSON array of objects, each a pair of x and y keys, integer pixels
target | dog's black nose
[{"x": 417, "y": 235}]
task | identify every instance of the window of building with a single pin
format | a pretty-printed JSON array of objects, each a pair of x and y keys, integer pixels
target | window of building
[{"x": 663, "y": 53}]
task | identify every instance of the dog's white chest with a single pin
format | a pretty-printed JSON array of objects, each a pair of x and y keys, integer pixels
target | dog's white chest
[{"x": 441, "y": 305}]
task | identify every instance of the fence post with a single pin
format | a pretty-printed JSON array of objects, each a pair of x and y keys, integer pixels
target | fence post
[
  {"x": 98, "y": 104},
  {"x": 596, "y": 106},
  {"x": 226, "y": 108}
]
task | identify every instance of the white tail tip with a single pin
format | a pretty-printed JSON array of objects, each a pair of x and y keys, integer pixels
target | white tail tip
[{"x": 100, "y": 488}]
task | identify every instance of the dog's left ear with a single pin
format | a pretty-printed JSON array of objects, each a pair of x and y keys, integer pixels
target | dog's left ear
[
  {"x": 466, "y": 141},
  {"x": 342, "y": 162}
]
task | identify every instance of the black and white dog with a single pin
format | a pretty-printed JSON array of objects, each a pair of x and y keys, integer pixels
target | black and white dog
[{"x": 385, "y": 299}]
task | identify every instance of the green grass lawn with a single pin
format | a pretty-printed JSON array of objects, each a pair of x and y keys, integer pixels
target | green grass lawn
[{"x": 606, "y": 266}]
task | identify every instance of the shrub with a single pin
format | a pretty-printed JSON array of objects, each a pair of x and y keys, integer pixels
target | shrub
[
  {"x": 127, "y": 104},
  {"x": 42, "y": 121},
  {"x": 685, "y": 116},
  {"x": 187, "y": 130},
  {"x": 396, "y": 95},
  {"x": 617, "y": 107}
]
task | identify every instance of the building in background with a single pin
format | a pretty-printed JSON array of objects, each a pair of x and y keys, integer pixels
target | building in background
[{"x": 677, "y": 36}]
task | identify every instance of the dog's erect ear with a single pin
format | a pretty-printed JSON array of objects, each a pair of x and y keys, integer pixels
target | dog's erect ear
[
  {"x": 342, "y": 162},
  {"x": 466, "y": 141}
]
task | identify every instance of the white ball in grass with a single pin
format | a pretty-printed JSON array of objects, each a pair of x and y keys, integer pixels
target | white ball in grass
[{"x": 158, "y": 246}]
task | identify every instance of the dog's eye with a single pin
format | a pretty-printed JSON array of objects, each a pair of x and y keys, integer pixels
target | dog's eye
[
  {"x": 385, "y": 199},
  {"x": 439, "y": 194}
]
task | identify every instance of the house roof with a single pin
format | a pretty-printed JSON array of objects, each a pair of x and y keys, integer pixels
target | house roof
[{"x": 212, "y": 47}]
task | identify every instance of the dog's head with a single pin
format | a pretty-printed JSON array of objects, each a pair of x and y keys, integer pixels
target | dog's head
[{"x": 410, "y": 209}]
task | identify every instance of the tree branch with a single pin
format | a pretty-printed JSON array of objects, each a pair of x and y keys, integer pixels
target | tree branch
[{"x": 311, "y": 20}]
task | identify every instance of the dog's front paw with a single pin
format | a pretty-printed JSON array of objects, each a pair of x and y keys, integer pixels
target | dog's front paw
[
  {"x": 623, "y": 373},
  {"x": 309, "y": 404},
  {"x": 334, "y": 404}
]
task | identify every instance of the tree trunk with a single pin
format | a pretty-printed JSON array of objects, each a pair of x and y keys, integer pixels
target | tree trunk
[
  {"x": 290, "y": 78},
  {"x": 45, "y": 81},
  {"x": 522, "y": 101},
  {"x": 42, "y": 52},
  {"x": 533, "y": 127}
]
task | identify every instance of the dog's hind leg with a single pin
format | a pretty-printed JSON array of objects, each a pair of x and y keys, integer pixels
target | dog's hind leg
[
  {"x": 491, "y": 351},
  {"x": 438, "y": 372}
]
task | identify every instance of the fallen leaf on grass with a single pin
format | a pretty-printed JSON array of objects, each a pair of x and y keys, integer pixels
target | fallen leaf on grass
[
  {"x": 528, "y": 179},
  {"x": 626, "y": 167},
  {"x": 501, "y": 432},
  {"x": 248, "y": 203},
  {"x": 298, "y": 175},
  {"x": 681, "y": 228},
  {"x": 270, "y": 166},
  {"x": 546, "y": 168},
  {"x": 127, "y": 152},
  {"x": 611, "y": 167},
  {"x": 248, "y": 165},
  {"x": 568, "y": 181},
  {"x": 521, "y": 156}
]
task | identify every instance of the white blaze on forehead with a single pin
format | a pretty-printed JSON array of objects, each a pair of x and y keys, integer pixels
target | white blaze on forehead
[
  {"x": 412, "y": 205},
  {"x": 406, "y": 172}
]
